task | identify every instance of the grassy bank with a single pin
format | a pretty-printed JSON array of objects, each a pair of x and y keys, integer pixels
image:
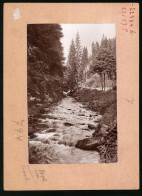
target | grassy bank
[
  {"x": 103, "y": 102},
  {"x": 41, "y": 104},
  {"x": 37, "y": 108}
]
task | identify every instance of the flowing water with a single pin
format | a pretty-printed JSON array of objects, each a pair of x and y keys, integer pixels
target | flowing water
[{"x": 66, "y": 123}]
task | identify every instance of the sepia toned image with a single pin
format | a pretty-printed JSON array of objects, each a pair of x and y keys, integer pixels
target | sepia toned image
[
  {"x": 72, "y": 114},
  {"x": 71, "y": 96}
]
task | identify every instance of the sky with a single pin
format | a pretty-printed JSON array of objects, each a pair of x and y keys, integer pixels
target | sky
[{"x": 88, "y": 33}]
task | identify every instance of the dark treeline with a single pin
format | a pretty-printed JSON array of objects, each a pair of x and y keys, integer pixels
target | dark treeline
[{"x": 45, "y": 70}]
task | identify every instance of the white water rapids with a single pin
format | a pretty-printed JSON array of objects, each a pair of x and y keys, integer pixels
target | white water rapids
[{"x": 67, "y": 123}]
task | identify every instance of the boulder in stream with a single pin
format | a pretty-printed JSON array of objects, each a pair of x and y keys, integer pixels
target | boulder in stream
[
  {"x": 104, "y": 128},
  {"x": 88, "y": 144},
  {"x": 33, "y": 136},
  {"x": 42, "y": 125},
  {"x": 90, "y": 126},
  {"x": 68, "y": 124},
  {"x": 50, "y": 130},
  {"x": 81, "y": 114}
]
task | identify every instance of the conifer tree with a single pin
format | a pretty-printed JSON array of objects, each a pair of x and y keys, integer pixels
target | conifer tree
[
  {"x": 105, "y": 62},
  {"x": 94, "y": 52},
  {"x": 72, "y": 63},
  {"x": 78, "y": 55},
  {"x": 84, "y": 64}
]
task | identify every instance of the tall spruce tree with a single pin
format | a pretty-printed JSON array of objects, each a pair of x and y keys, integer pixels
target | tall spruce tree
[
  {"x": 84, "y": 64},
  {"x": 72, "y": 63},
  {"x": 105, "y": 62},
  {"x": 94, "y": 52},
  {"x": 78, "y": 55}
]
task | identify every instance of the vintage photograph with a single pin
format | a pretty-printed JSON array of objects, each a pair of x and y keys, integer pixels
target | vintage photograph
[{"x": 72, "y": 93}]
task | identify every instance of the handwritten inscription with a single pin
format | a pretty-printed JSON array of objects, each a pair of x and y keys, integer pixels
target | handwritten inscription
[
  {"x": 25, "y": 174},
  {"x": 128, "y": 19},
  {"x": 131, "y": 101},
  {"x": 19, "y": 128},
  {"x": 34, "y": 175},
  {"x": 40, "y": 174}
]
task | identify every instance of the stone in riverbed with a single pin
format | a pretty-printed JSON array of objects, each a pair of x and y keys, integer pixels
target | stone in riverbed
[
  {"x": 49, "y": 130},
  {"x": 42, "y": 125},
  {"x": 51, "y": 117},
  {"x": 65, "y": 142},
  {"x": 33, "y": 136},
  {"x": 96, "y": 121},
  {"x": 104, "y": 128},
  {"x": 82, "y": 123},
  {"x": 54, "y": 138},
  {"x": 66, "y": 137},
  {"x": 57, "y": 134},
  {"x": 97, "y": 118},
  {"x": 81, "y": 114},
  {"x": 97, "y": 128},
  {"x": 84, "y": 127},
  {"x": 88, "y": 144},
  {"x": 101, "y": 130},
  {"x": 90, "y": 126},
  {"x": 68, "y": 124}
]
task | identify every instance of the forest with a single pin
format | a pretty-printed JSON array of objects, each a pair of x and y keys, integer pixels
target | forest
[
  {"x": 82, "y": 66},
  {"x": 83, "y": 86}
]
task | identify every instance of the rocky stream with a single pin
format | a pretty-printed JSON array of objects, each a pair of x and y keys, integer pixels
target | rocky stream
[{"x": 64, "y": 127}]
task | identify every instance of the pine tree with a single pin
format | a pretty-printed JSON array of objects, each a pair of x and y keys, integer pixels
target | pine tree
[
  {"x": 94, "y": 52},
  {"x": 78, "y": 55},
  {"x": 92, "y": 58},
  {"x": 105, "y": 62},
  {"x": 97, "y": 46},
  {"x": 111, "y": 72},
  {"x": 104, "y": 42},
  {"x": 72, "y": 63},
  {"x": 114, "y": 47},
  {"x": 84, "y": 64}
]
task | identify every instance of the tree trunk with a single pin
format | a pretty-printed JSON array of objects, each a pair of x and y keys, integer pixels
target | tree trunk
[
  {"x": 112, "y": 84},
  {"x": 101, "y": 81},
  {"x": 104, "y": 81},
  {"x": 77, "y": 87}
]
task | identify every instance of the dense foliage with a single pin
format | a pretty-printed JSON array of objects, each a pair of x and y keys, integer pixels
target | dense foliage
[
  {"x": 45, "y": 71},
  {"x": 101, "y": 61},
  {"x": 45, "y": 56},
  {"x": 105, "y": 60}
]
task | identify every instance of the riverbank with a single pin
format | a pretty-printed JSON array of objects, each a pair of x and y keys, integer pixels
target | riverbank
[
  {"x": 104, "y": 139},
  {"x": 74, "y": 131},
  {"x": 67, "y": 122},
  {"x": 39, "y": 105}
]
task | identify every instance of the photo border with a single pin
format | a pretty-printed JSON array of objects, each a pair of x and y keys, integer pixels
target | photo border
[{"x": 103, "y": 192}]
